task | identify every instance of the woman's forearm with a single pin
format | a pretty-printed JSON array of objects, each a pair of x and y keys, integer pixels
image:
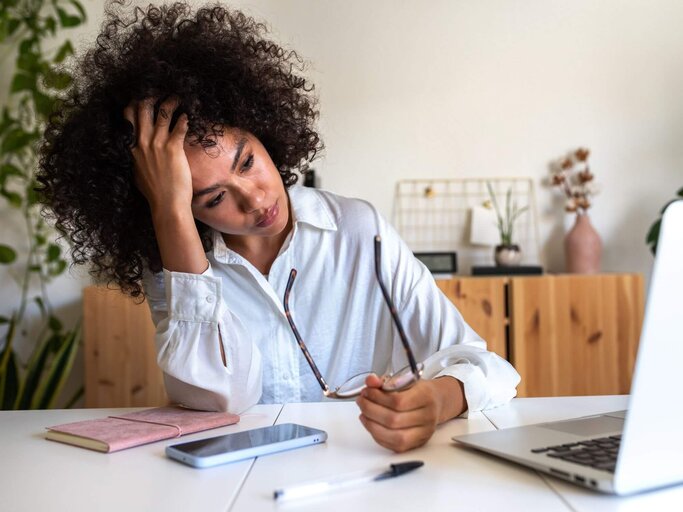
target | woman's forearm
[{"x": 179, "y": 243}]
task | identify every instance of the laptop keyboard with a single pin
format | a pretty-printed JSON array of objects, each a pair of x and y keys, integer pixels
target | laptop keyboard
[{"x": 600, "y": 453}]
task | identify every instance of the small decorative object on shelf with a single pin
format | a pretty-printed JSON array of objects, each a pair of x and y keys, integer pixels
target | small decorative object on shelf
[
  {"x": 507, "y": 254},
  {"x": 582, "y": 244},
  {"x": 439, "y": 262}
]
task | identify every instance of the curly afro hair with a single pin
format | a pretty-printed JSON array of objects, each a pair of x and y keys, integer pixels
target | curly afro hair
[{"x": 226, "y": 73}]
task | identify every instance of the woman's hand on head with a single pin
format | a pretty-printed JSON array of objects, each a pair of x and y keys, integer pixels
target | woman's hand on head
[
  {"x": 402, "y": 420},
  {"x": 162, "y": 172}
]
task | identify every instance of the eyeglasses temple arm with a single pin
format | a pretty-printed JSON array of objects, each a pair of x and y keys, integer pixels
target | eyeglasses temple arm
[
  {"x": 299, "y": 340},
  {"x": 392, "y": 308}
]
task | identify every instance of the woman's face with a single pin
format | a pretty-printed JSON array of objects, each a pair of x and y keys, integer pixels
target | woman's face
[{"x": 237, "y": 189}]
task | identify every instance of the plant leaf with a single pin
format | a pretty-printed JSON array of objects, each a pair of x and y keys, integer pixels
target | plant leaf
[
  {"x": 55, "y": 324},
  {"x": 57, "y": 79},
  {"x": 7, "y": 254},
  {"x": 66, "y": 19},
  {"x": 23, "y": 82},
  {"x": 6, "y": 353},
  {"x": 64, "y": 51},
  {"x": 28, "y": 61},
  {"x": 680, "y": 192},
  {"x": 79, "y": 8},
  {"x": 53, "y": 252},
  {"x": 11, "y": 383},
  {"x": 4, "y": 320},
  {"x": 41, "y": 305},
  {"x": 17, "y": 139},
  {"x": 31, "y": 194},
  {"x": 58, "y": 268},
  {"x": 653, "y": 236},
  {"x": 34, "y": 371},
  {"x": 51, "y": 25},
  {"x": 7, "y": 121},
  {"x": 59, "y": 372},
  {"x": 44, "y": 104},
  {"x": 7, "y": 170},
  {"x": 13, "y": 198}
]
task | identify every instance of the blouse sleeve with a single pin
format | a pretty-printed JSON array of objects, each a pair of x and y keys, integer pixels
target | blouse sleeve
[
  {"x": 446, "y": 344},
  {"x": 192, "y": 324}
]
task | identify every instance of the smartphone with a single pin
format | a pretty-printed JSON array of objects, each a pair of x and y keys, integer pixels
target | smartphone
[{"x": 212, "y": 451}]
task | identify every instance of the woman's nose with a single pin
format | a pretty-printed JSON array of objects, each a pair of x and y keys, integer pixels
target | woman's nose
[{"x": 251, "y": 197}]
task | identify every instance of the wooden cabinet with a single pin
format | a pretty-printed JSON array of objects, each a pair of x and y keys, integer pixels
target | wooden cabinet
[
  {"x": 483, "y": 304},
  {"x": 565, "y": 334},
  {"x": 120, "y": 358}
]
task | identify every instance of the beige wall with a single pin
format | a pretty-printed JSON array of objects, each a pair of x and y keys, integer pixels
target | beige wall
[{"x": 440, "y": 89}]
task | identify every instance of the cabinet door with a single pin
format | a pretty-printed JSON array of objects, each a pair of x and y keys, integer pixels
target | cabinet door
[
  {"x": 481, "y": 301},
  {"x": 120, "y": 359},
  {"x": 575, "y": 335}
]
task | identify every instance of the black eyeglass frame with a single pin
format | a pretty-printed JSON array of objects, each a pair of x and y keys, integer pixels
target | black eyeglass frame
[{"x": 415, "y": 368}]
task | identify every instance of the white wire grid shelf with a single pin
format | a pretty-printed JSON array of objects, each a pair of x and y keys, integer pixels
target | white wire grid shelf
[{"x": 435, "y": 215}]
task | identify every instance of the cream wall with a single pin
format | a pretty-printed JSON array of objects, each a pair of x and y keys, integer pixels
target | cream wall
[{"x": 445, "y": 89}]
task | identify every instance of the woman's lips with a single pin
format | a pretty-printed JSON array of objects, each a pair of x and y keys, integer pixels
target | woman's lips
[{"x": 269, "y": 217}]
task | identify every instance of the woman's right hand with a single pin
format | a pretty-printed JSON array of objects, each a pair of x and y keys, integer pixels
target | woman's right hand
[{"x": 162, "y": 172}]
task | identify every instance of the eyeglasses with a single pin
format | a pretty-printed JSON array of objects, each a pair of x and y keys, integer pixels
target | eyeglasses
[{"x": 402, "y": 379}]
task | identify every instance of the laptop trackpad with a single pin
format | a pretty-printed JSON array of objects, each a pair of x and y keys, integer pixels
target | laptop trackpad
[{"x": 594, "y": 426}]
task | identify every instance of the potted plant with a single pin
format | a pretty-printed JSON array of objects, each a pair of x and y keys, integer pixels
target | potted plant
[
  {"x": 653, "y": 234},
  {"x": 34, "y": 94},
  {"x": 507, "y": 253}
]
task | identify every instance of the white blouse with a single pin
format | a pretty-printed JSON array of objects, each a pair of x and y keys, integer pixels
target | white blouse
[{"x": 338, "y": 309}]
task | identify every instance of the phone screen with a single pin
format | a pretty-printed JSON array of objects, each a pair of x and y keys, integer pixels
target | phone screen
[{"x": 245, "y": 440}]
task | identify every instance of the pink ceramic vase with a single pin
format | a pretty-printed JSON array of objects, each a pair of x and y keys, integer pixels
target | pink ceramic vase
[{"x": 582, "y": 247}]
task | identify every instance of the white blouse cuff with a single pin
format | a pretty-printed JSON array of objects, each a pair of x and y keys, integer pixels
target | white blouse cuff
[{"x": 193, "y": 297}]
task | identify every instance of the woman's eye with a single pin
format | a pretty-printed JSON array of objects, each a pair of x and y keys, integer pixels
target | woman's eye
[
  {"x": 248, "y": 163},
  {"x": 215, "y": 200}
]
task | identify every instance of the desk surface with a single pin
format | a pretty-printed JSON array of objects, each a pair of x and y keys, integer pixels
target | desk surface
[{"x": 36, "y": 474}]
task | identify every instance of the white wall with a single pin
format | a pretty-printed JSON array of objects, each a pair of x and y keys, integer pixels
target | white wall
[{"x": 445, "y": 89}]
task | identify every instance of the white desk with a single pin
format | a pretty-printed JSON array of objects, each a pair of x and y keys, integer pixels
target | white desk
[
  {"x": 36, "y": 474},
  {"x": 40, "y": 475}
]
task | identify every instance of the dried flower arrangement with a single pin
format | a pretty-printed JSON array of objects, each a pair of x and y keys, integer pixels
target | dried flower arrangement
[{"x": 573, "y": 176}]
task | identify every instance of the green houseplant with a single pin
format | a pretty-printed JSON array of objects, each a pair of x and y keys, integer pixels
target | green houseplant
[
  {"x": 507, "y": 253},
  {"x": 35, "y": 88},
  {"x": 653, "y": 234}
]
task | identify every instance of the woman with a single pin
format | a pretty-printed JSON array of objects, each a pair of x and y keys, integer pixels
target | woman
[{"x": 170, "y": 165}]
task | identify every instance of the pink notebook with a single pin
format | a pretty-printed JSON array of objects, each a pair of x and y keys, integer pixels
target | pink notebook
[{"x": 115, "y": 433}]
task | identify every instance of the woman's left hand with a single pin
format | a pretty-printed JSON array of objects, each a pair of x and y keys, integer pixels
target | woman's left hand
[{"x": 402, "y": 420}]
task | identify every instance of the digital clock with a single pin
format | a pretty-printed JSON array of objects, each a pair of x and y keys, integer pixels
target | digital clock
[{"x": 439, "y": 262}]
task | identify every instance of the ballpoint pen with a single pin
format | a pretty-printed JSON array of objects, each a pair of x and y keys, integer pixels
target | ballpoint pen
[{"x": 345, "y": 481}]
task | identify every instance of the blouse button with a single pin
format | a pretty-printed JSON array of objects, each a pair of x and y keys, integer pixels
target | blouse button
[{"x": 209, "y": 299}]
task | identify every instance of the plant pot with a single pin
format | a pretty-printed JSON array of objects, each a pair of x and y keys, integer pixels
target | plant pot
[
  {"x": 582, "y": 247},
  {"x": 507, "y": 255}
]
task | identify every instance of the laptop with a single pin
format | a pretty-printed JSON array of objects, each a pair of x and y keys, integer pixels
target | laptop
[{"x": 623, "y": 452}]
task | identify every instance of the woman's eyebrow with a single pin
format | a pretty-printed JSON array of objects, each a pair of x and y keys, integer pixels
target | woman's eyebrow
[
  {"x": 205, "y": 191},
  {"x": 238, "y": 153}
]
